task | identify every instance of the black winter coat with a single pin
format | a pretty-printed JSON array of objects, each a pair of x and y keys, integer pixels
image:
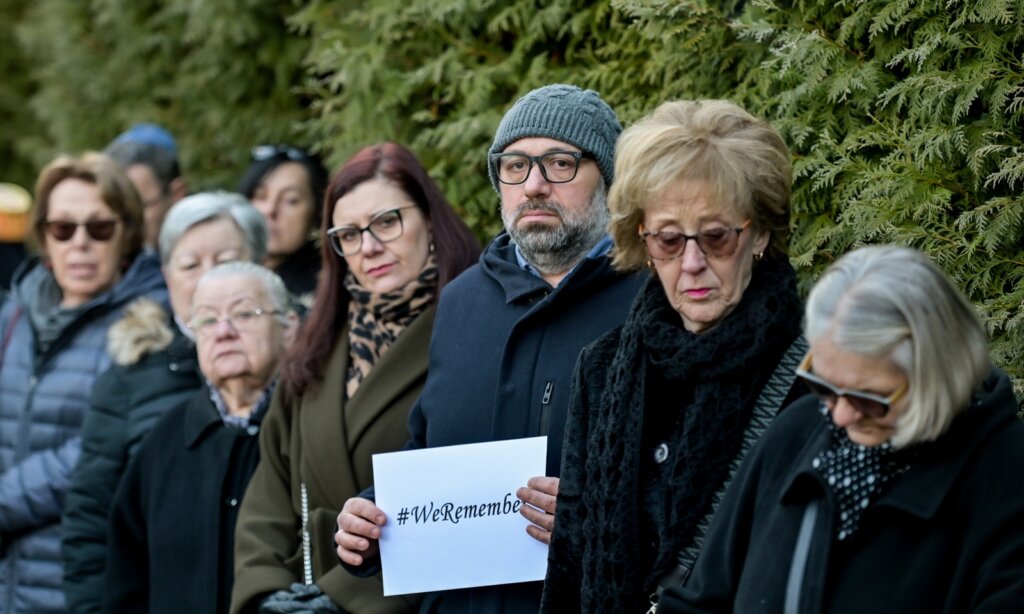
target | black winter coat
[
  {"x": 172, "y": 524},
  {"x": 155, "y": 370},
  {"x": 944, "y": 537},
  {"x": 502, "y": 355}
]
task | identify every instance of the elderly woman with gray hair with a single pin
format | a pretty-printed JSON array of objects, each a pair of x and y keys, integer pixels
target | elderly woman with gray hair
[
  {"x": 898, "y": 486},
  {"x": 172, "y": 521},
  {"x": 154, "y": 370}
]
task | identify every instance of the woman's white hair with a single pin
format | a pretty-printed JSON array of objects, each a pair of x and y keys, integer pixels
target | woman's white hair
[
  {"x": 893, "y": 302},
  {"x": 272, "y": 284},
  {"x": 204, "y": 207}
]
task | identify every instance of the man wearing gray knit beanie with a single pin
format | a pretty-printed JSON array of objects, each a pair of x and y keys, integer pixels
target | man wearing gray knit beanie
[
  {"x": 557, "y": 212},
  {"x": 508, "y": 330}
]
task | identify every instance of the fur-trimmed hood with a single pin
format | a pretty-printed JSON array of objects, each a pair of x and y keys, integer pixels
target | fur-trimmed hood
[{"x": 145, "y": 328}]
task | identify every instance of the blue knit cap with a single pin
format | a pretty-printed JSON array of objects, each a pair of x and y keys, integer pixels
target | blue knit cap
[{"x": 565, "y": 113}]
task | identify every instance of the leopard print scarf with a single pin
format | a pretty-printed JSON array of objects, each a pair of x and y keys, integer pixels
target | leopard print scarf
[{"x": 376, "y": 320}]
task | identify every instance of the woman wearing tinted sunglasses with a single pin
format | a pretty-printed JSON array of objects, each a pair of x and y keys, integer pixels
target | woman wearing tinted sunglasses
[
  {"x": 53, "y": 345},
  {"x": 664, "y": 407},
  {"x": 897, "y": 487}
]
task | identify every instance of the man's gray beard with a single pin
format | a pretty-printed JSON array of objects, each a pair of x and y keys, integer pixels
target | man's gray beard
[{"x": 556, "y": 249}]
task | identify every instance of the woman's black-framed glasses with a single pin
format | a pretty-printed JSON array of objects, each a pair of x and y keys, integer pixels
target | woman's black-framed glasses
[
  {"x": 385, "y": 227},
  {"x": 555, "y": 166},
  {"x": 98, "y": 230},
  {"x": 871, "y": 405},
  {"x": 716, "y": 242}
]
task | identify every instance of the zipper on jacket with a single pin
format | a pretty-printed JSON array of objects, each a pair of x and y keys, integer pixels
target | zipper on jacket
[{"x": 545, "y": 409}]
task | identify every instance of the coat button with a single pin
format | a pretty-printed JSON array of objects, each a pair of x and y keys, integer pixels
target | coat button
[
  {"x": 252, "y": 429},
  {"x": 232, "y": 502},
  {"x": 661, "y": 453},
  {"x": 173, "y": 366}
]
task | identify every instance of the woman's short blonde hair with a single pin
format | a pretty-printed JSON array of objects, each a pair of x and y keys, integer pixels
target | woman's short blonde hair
[
  {"x": 893, "y": 302},
  {"x": 744, "y": 160}
]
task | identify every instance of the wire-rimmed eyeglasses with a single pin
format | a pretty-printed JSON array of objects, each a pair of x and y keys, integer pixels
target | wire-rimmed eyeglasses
[
  {"x": 239, "y": 319},
  {"x": 715, "y": 242}
]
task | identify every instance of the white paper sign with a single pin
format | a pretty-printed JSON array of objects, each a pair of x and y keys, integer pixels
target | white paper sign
[{"x": 453, "y": 516}]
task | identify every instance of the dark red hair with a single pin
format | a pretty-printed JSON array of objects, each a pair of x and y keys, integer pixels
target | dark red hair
[{"x": 455, "y": 249}]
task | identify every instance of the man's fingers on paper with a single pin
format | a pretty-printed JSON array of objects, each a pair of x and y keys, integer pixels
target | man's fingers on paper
[
  {"x": 540, "y": 500},
  {"x": 538, "y": 517},
  {"x": 539, "y": 534},
  {"x": 544, "y": 484},
  {"x": 363, "y": 508},
  {"x": 358, "y": 527}
]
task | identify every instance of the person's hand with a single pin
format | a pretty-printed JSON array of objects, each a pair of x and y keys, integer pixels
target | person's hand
[
  {"x": 540, "y": 494},
  {"x": 359, "y": 526}
]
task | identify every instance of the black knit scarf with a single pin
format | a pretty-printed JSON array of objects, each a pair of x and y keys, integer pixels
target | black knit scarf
[{"x": 724, "y": 369}]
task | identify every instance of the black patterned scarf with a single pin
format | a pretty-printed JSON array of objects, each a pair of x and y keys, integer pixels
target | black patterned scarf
[
  {"x": 723, "y": 369},
  {"x": 857, "y": 474},
  {"x": 376, "y": 320}
]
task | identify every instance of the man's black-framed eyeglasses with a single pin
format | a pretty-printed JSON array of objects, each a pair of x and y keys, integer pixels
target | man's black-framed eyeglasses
[
  {"x": 555, "y": 166},
  {"x": 871, "y": 405},
  {"x": 386, "y": 226}
]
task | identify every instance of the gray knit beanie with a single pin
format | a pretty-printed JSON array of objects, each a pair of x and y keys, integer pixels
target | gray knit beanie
[{"x": 564, "y": 113}]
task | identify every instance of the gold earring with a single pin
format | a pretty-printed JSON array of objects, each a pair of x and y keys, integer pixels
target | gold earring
[
  {"x": 650, "y": 264},
  {"x": 759, "y": 257}
]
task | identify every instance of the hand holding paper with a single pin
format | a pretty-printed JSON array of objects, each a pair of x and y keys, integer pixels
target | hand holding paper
[
  {"x": 358, "y": 533},
  {"x": 454, "y": 520},
  {"x": 540, "y": 493}
]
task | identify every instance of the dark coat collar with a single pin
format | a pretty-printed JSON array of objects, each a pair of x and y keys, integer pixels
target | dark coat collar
[
  {"x": 201, "y": 418},
  {"x": 500, "y": 263},
  {"x": 921, "y": 491}
]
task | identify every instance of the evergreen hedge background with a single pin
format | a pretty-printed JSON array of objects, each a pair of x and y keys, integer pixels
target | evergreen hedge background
[{"x": 904, "y": 117}]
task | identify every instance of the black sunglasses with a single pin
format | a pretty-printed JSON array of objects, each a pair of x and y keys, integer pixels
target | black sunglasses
[
  {"x": 871, "y": 405},
  {"x": 266, "y": 152},
  {"x": 98, "y": 230}
]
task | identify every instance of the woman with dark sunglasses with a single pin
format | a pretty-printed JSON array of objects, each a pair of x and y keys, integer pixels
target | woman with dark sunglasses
[
  {"x": 898, "y": 486},
  {"x": 286, "y": 184},
  {"x": 391, "y": 242},
  {"x": 664, "y": 407},
  {"x": 88, "y": 225}
]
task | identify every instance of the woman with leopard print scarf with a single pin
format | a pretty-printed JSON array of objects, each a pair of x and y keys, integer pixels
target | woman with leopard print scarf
[{"x": 391, "y": 243}]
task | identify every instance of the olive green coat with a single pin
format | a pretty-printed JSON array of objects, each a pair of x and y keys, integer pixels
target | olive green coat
[{"x": 325, "y": 443}]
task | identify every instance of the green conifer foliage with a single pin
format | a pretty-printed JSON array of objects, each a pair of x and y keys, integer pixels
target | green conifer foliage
[
  {"x": 439, "y": 75},
  {"x": 905, "y": 123},
  {"x": 18, "y": 128},
  {"x": 904, "y": 117},
  {"x": 222, "y": 76}
]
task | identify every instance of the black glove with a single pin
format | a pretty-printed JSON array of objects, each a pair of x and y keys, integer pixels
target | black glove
[{"x": 299, "y": 599}]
